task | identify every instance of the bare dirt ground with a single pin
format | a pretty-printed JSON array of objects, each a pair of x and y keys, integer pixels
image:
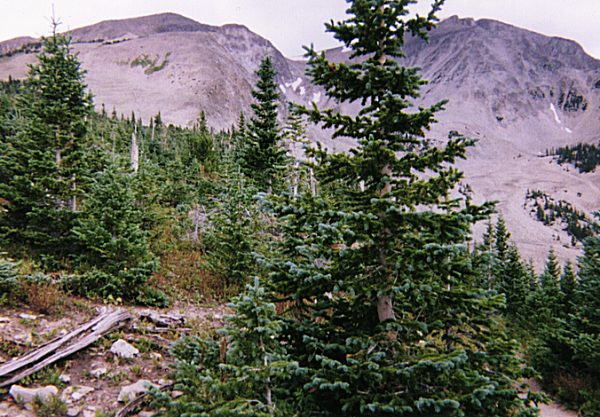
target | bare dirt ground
[{"x": 21, "y": 330}]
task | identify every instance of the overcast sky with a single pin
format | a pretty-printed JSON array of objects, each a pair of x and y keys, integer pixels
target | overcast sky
[{"x": 289, "y": 24}]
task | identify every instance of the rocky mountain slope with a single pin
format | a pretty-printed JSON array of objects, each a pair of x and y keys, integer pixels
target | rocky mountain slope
[{"x": 516, "y": 91}]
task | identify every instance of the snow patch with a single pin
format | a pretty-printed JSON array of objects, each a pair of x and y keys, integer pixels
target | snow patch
[
  {"x": 282, "y": 88},
  {"x": 316, "y": 97},
  {"x": 553, "y": 110},
  {"x": 295, "y": 84},
  {"x": 568, "y": 130}
]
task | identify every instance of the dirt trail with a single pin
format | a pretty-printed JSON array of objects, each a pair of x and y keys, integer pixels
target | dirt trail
[{"x": 555, "y": 410}]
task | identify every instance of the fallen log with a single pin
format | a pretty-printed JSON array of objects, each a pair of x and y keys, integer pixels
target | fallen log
[
  {"x": 62, "y": 347},
  {"x": 163, "y": 320}
]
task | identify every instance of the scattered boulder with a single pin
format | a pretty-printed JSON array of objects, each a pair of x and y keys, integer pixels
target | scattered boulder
[
  {"x": 25, "y": 396},
  {"x": 23, "y": 338},
  {"x": 73, "y": 412},
  {"x": 131, "y": 392},
  {"x": 26, "y": 316},
  {"x": 89, "y": 412},
  {"x": 98, "y": 372},
  {"x": 4, "y": 320},
  {"x": 65, "y": 378},
  {"x": 123, "y": 349},
  {"x": 75, "y": 393}
]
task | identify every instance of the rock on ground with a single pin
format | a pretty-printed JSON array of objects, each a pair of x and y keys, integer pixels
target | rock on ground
[
  {"x": 130, "y": 392},
  {"x": 25, "y": 396},
  {"x": 123, "y": 349}
]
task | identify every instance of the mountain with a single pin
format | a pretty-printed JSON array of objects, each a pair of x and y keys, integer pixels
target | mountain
[
  {"x": 518, "y": 92},
  {"x": 165, "y": 63}
]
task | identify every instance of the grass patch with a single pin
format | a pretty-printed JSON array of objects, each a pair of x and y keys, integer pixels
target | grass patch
[{"x": 151, "y": 65}]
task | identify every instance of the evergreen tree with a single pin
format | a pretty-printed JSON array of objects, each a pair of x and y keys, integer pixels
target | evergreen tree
[
  {"x": 47, "y": 166},
  {"x": 588, "y": 291},
  {"x": 484, "y": 258},
  {"x": 515, "y": 284},
  {"x": 532, "y": 277},
  {"x": 262, "y": 156},
  {"x": 568, "y": 353},
  {"x": 234, "y": 235},
  {"x": 551, "y": 276},
  {"x": 294, "y": 133},
  {"x": 501, "y": 280},
  {"x": 246, "y": 378},
  {"x": 501, "y": 239},
  {"x": 545, "y": 302},
  {"x": 568, "y": 284},
  {"x": 116, "y": 248},
  {"x": 384, "y": 314}
]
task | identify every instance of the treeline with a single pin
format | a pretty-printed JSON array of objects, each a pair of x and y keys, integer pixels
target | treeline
[
  {"x": 576, "y": 223},
  {"x": 584, "y": 156}
]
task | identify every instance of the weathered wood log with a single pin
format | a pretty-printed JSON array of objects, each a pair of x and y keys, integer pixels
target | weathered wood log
[
  {"x": 54, "y": 351},
  {"x": 45, "y": 349},
  {"x": 131, "y": 406},
  {"x": 163, "y": 320}
]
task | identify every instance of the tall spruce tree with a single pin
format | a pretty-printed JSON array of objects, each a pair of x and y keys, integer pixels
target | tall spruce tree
[
  {"x": 500, "y": 267},
  {"x": 515, "y": 284},
  {"x": 262, "y": 157},
  {"x": 383, "y": 311},
  {"x": 47, "y": 158},
  {"x": 568, "y": 284},
  {"x": 501, "y": 239}
]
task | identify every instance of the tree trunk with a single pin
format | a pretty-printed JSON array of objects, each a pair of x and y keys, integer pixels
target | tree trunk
[
  {"x": 196, "y": 221},
  {"x": 59, "y": 202},
  {"x": 313, "y": 182},
  {"x": 296, "y": 179},
  {"x": 74, "y": 195},
  {"x": 385, "y": 304},
  {"x": 135, "y": 153},
  {"x": 268, "y": 391}
]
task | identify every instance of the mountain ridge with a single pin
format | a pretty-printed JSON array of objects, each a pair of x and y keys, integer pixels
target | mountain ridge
[{"x": 516, "y": 91}]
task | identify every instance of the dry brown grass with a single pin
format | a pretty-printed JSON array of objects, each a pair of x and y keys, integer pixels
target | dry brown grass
[
  {"x": 43, "y": 297},
  {"x": 185, "y": 276}
]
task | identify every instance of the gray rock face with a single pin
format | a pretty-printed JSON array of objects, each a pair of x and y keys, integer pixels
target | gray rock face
[
  {"x": 26, "y": 396},
  {"x": 130, "y": 392},
  {"x": 123, "y": 349}
]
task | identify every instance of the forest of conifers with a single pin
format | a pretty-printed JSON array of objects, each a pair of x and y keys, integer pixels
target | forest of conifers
[{"x": 356, "y": 286}]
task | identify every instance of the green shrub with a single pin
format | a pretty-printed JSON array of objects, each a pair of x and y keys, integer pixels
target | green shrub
[
  {"x": 52, "y": 406},
  {"x": 8, "y": 275},
  {"x": 152, "y": 297}
]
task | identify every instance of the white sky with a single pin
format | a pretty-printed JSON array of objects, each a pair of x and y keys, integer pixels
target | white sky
[{"x": 289, "y": 24}]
